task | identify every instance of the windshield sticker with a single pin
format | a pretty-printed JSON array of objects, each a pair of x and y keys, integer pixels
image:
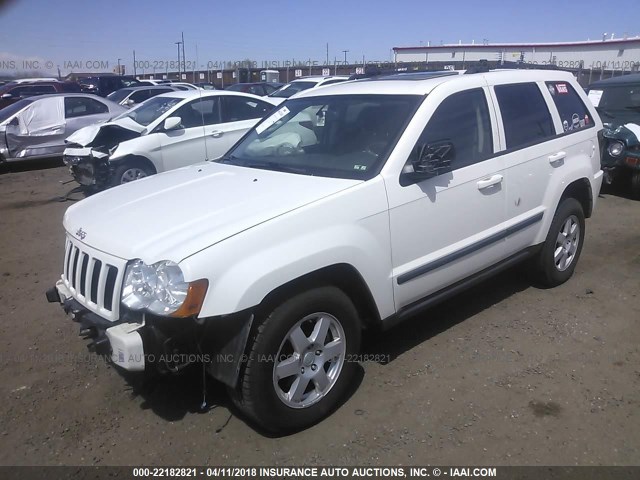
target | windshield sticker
[
  {"x": 359, "y": 167},
  {"x": 271, "y": 120},
  {"x": 562, "y": 88},
  {"x": 595, "y": 96}
]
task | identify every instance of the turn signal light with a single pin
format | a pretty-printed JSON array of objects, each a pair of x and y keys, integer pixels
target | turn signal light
[{"x": 195, "y": 298}]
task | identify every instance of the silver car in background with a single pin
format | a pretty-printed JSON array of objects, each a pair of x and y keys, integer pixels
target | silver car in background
[{"x": 36, "y": 127}]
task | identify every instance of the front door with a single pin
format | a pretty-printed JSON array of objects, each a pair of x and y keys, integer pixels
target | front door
[{"x": 447, "y": 227}]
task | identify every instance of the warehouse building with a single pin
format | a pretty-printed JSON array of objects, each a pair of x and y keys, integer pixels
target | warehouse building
[{"x": 609, "y": 55}]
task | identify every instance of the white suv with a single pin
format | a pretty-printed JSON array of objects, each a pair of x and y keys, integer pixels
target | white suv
[{"x": 349, "y": 207}]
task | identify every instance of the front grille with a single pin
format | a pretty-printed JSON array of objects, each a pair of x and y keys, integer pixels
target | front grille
[{"x": 94, "y": 278}]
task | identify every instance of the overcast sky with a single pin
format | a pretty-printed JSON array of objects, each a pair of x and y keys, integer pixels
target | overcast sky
[{"x": 277, "y": 30}]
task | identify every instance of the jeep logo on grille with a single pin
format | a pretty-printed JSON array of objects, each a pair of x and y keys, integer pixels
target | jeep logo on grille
[{"x": 81, "y": 234}]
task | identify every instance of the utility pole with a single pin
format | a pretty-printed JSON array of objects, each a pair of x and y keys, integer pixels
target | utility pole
[
  {"x": 327, "y": 63},
  {"x": 345, "y": 56},
  {"x": 119, "y": 69},
  {"x": 184, "y": 59},
  {"x": 178, "y": 44},
  {"x": 134, "y": 63}
]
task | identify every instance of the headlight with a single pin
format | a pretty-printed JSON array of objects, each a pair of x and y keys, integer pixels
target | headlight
[
  {"x": 615, "y": 149},
  {"x": 160, "y": 289}
]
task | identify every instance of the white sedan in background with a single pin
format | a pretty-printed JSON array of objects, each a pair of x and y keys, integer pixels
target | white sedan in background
[{"x": 165, "y": 132}]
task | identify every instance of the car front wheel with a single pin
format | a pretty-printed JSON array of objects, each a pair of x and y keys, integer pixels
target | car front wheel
[
  {"x": 129, "y": 171},
  {"x": 299, "y": 365}
]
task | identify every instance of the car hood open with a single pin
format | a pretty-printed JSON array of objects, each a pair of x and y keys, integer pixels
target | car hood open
[
  {"x": 107, "y": 134},
  {"x": 173, "y": 215}
]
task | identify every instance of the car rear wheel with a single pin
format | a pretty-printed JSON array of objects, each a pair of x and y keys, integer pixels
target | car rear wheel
[
  {"x": 298, "y": 367},
  {"x": 560, "y": 252}
]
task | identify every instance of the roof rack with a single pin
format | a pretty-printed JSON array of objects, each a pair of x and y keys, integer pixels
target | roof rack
[
  {"x": 375, "y": 73},
  {"x": 483, "y": 66}
]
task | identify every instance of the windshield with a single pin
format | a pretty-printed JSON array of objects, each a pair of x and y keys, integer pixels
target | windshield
[
  {"x": 150, "y": 110},
  {"x": 344, "y": 136},
  {"x": 293, "y": 88},
  {"x": 119, "y": 95},
  {"x": 14, "y": 108},
  {"x": 618, "y": 98}
]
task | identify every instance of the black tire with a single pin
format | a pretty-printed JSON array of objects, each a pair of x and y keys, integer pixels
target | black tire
[
  {"x": 635, "y": 185},
  {"x": 130, "y": 170},
  {"x": 546, "y": 271},
  {"x": 257, "y": 395}
]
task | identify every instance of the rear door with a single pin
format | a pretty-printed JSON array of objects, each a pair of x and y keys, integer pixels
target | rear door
[
  {"x": 82, "y": 111},
  {"x": 238, "y": 115},
  {"x": 538, "y": 144}
]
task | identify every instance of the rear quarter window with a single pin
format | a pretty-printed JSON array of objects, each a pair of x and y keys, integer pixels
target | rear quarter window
[{"x": 573, "y": 113}]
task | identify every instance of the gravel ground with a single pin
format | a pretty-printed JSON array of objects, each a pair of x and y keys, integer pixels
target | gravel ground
[{"x": 504, "y": 374}]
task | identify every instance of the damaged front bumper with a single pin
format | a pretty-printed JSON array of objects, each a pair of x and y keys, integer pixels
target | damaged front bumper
[
  {"x": 141, "y": 343},
  {"x": 88, "y": 167},
  {"x": 120, "y": 341}
]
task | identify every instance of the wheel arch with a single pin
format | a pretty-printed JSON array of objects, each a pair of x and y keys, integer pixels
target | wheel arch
[
  {"x": 343, "y": 276},
  {"x": 580, "y": 190},
  {"x": 134, "y": 159}
]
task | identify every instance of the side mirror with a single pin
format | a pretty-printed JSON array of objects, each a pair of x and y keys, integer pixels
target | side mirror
[
  {"x": 432, "y": 159},
  {"x": 6, "y": 96},
  {"x": 172, "y": 123},
  {"x": 129, "y": 102}
]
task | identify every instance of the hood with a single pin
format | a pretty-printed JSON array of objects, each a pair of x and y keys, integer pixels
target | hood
[
  {"x": 175, "y": 214},
  {"x": 629, "y": 133},
  {"x": 106, "y": 134}
]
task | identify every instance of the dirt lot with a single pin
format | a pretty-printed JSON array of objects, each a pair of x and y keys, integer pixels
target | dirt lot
[{"x": 505, "y": 374}]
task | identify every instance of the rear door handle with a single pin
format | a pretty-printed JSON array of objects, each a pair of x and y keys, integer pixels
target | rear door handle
[
  {"x": 556, "y": 157},
  {"x": 217, "y": 133},
  {"x": 489, "y": 182}
]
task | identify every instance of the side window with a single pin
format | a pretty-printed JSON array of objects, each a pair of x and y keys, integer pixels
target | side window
[
  {"x": 42, "y": 89},
  {"x": 462, "y": 119},
  {"x": 525, "y": 115},
  {"x": 573, "y": 114},
  {"x": 79, "y": 107},
  {"x": 255, "y": 90},
  {"x": 239, "y": 108},
  {"x": 204, "y": 111},
  {"x": 140, "y": 96}
]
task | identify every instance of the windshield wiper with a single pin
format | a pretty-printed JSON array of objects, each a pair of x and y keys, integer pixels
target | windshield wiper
[{"x": 276, "y": 167}]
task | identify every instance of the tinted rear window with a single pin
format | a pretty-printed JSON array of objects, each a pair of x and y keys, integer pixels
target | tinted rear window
[{"x": 525, "y": 115}]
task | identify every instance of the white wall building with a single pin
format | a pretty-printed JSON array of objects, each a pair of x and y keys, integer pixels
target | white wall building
[{"x": 611, "y": 54}]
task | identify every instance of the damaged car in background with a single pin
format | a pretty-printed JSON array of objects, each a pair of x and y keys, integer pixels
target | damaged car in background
[
  {"x": 37, "y": 127},
  {"x": 617, "y": 100},
  {"x": 162, "y": 133}
]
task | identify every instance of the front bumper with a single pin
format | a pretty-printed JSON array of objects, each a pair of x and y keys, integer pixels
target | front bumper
[
  {"x": 120, "y": 341},
  {"x": 137, "y": 342},
  {"x": 88, "y": 167}
]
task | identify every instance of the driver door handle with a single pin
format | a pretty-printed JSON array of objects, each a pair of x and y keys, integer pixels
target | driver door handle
[
  {"x": 217, "y": 133},
  {"x": 489, "y": 182}
]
